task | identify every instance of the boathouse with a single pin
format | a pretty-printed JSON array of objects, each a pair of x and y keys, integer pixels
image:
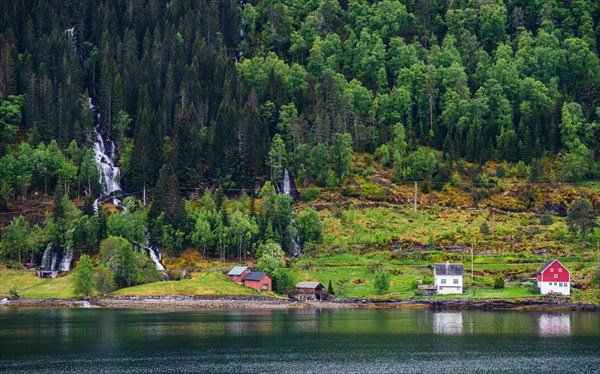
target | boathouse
[
  {"x": 311, "y": 291},
  {"x": 554, "y": 278}
]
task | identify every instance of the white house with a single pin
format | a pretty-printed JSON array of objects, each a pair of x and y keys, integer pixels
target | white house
[
  {"x": 447, "y": 278},
  {"x": 554, "y": 278}
]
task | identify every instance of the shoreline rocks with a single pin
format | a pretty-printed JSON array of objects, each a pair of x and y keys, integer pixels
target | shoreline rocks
[{"x": 260, "y": 302}]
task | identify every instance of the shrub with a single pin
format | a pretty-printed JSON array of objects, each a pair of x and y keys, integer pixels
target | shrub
[
  {"x": 382, "y": 281},
  {"x": 499, "y": 281},
  {"x": 104, "y": 281},
  {"x": 485, "y": 230},
  {"x": 310, "y": 194},
  {"x": 13, "y": 293}
]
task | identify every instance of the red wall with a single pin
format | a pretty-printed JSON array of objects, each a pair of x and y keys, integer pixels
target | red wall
[
  {"x": 239, "y": 278},
  {"x": 257, "y": 285},
  {"x": 555, "y": 269}
]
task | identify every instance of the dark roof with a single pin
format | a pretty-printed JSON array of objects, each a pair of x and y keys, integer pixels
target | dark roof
[
  {"x": 254, "y": 276},
  {"x": 448, "y": 269},
  {"x": 312, "y": 285},
  {"x": 547, "y": 264}
]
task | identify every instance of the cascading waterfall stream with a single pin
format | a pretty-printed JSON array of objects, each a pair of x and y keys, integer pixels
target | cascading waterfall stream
[
  {"x": 289, "y": 188},
  {"x": 110, "y": 177}
]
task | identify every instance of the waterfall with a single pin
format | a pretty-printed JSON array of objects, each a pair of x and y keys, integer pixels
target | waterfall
[
  {"x": 104, "y": 154},
  {"x": 67, "y": 258},
  {"x": 55, "y": 260},
  {"x": 110, "y": 179},
  {"x": 289, "y": 188}
]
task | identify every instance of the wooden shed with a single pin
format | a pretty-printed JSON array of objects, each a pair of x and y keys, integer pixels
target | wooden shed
[
  {"x": 259, "y": 281},
  {"x": 311, "y": 291},
  {"x": 238, "y": 273}
]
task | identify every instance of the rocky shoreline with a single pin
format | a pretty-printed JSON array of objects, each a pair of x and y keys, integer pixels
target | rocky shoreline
[{"x": 249, "y": 302}]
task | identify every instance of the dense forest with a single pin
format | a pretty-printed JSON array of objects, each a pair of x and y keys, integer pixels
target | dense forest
[{"x": 228, "y": 93}]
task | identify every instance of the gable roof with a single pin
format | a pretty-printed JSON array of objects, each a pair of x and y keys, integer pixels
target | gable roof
[
  {"x": 547, "y": 265},
  {"x": 448, "y": 269},
  {"x": 237, "y": 270},
  {"x": 308, "y": 285},
  {"x": 255, "y": 276}
]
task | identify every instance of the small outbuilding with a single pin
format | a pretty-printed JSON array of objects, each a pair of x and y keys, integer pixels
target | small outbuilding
[
  {"x": 238, "y": 273},
  {"x": 554, "y": 278},
  {"x": 311, "y": 291},
  {"x": 448, "y": 278},
  {"x": 259, "y": 281}
]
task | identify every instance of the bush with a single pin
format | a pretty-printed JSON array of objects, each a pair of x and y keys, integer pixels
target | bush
[
  {"x": 104, "y": 280},
  {"x": 382, "y": 281},
  {"x": 310, "y": 194},
  {"x": 485, "y": 230},
  {"x": 13, "y": 293},
  {"x": 499, "y": 281},
  {"x": 414, "y": 285},
  {"x": 283, "y": 282}
]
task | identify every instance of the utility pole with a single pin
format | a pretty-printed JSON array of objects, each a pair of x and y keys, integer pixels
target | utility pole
[
  {"x": 471, "y": 263},
  {"x": 415, "y": 198}
]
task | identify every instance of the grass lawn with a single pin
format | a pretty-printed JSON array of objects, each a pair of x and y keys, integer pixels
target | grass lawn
[
  {"x": 202, "y": 284},
  {"x": 30, "y": 286}
]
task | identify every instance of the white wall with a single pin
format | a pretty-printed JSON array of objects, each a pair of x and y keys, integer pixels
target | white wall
[
  {"x": 546, "y": 287},
  {"x": 449, "y": 287}
]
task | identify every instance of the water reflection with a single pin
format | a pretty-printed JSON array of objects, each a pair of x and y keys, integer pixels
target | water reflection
[
  {"x": 554, "y": 324},
  {"x": 448, "y": 323}
]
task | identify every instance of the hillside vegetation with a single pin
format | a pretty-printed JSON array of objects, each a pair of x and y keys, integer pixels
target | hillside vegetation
[{"x": 490, "y": 107}]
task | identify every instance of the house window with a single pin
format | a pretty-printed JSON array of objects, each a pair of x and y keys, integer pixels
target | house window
[
  {"x": 265, "y": 287},
  {"x": 456, "y": 281},
  {"x": 560, "y": 270},
  {"x": 552, "y": 270},
  {"x": 555, "y": 275},
  {"x": 443, "y": 281}
]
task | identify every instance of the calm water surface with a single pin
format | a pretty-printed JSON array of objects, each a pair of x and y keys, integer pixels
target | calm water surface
[{"x": 309, "y": 341}]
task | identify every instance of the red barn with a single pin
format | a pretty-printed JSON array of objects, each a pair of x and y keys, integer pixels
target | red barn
[
  {"x": 259, "y": 281},
  {"x": 553, "y": 277},
  {"x": 238, "y": 273}
]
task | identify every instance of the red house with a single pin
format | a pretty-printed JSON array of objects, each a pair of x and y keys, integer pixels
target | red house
[
  {"x": 553, "y": 277},
  {"x": 259, "y": 281},
  {"x": 238, "y": 273}
]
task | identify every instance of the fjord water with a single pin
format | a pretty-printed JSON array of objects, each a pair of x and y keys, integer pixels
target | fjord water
[{"x": 373, "y": 340}]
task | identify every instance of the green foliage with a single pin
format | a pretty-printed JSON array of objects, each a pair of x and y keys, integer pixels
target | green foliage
[
  {"x": 13, "y": 293},
  {"x": 104, "y": 280},
  {"x": 117, "y": 255},
  {"x": 484, "y": 228},
  {"x": 310, "y": 227},
  {"x": 16, "y": 237},
  {"x": 283, "y": 282},
  {"x": 381, "y": 281},
  {"x": 535, "y": 172},
  {"x": 270, "y": 257},
  {"x": 383, "y": 155},
  {"x": 341, "y": 150},
  {"x": 431, "y": 242},
  {"x": 582, "y": 218},
  {"x": 546, "y": 219},
  {"x": 330, "y": 289},
  {"x": 498, "y": 281},
  {"x": 83, "y": 276}
]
